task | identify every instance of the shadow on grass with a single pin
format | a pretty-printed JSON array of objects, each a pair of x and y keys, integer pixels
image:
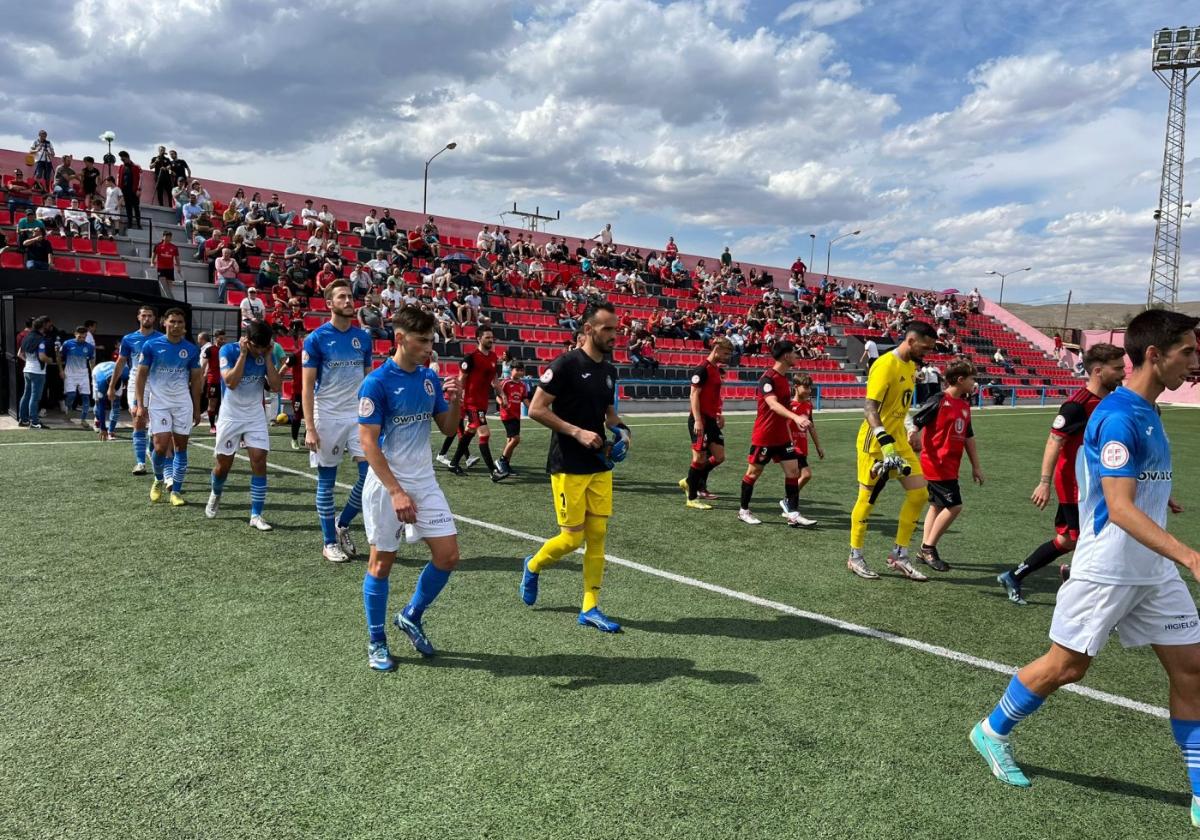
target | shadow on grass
[
  {"x": 774, "y": 629},
  {"x": 1104, "y": 784},
  {"x": 585, "y": 670}
]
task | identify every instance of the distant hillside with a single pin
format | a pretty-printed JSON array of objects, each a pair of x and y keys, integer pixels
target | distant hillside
[{"x": 1085, "y": 316}]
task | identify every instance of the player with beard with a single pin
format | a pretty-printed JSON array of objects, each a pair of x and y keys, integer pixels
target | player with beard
[
  {"x": 478, "y": 383},
  {"x": 706, "y": 422},
  {"x": 127, "y": 360}
]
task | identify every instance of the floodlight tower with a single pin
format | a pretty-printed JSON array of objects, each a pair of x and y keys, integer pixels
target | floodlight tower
[{"x": 1176, "y": 55}]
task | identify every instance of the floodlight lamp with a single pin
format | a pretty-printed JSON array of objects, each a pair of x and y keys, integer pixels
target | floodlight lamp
[
  {"x": 1182, "y": 35},
  {"x": 1164, "y": 36}
]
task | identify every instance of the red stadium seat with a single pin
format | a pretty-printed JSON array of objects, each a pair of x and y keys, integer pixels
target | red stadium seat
[
  {"x": 106, "y": 247},
  {"x": 116, "y": 268},
  {"x": 82, "y": 245},
  {"x": 12, "y": 259},
  {"x": 63, "y": 263},
  {"x": 88, "y": 266}
]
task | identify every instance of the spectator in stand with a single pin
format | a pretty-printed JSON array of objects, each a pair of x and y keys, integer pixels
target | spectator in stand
[
  {"x": 190, "y": 212},
  {"x": 278, "y": 213},
  {"x": 64, "y": 178},
  {"x": 379, "y": 267},
  {"x": 202, "y": 196},
  {"x": 309, "y": 217},
  {"x": 252, "y": 308},
  {"x": 1000, "y": 359},
  {"x": 444, "y": 324},
  {"x": 19, "y": 192},
  {"x": 370, "y": 316},
  {"x": 248, "y": 234},
  {"x": 164, "y": 177},
  {"x": 469, "y": 307},
  {"x": 361, "y": 281},
  {"x": 327, "y": 219},
  {"x": 226, "y": 268},
  {"x": 604, "y": 237},
  {"x": 973, "y": 301},
  {"x": 179, "y": 197},
  {"x": 485, "y": 241},
  {"x": 28, "y": 224},
  {"x": 399, "y": 254},
  {"x": 429, "y": 234},
  {"x": 324, "y": 277},
  {"x": 129, "y": 179},
  {"x": 671, "y": 250},
  {"x": 43, "y": 161},
  {"x": 870, "y": 353},
  {"x": 268, "y": 273},
  {"x": 393, "y": 299},
  {"x": 37, "y": 250},
  {"x": 179, "y": 166},
  {"x": 256, "y": 219},
  {"x": 232, "y": 217},
  {"x": 166, "y": 258},
  {"x": 387, "y": 224},
  {"x": 102, "y": 226},
  {"x": 50, "y": 215},
  {"x": 89, "y": 178},
  {"x": 641, "y": 351},
  {"x": 370, "y": 224}
]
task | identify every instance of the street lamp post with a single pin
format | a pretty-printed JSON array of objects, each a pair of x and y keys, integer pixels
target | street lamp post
[
  {"x": 425, "y": 190},
  {"x": 829, "y": 249},
  {"x": 812, "y": 249},
  {"x": 1002, "y": 275}
]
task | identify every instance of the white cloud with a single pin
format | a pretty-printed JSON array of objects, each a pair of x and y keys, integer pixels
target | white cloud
[{"x": 819, "y": 13}]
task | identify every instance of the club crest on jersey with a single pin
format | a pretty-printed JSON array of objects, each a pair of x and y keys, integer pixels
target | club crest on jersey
[
  {"x": 546, "y": 376},
  {"x": 1059, "y": 422},
  {"x": 366, "y": 407},
  {"x": 608, "y": 382},
  {"x": 356, "y": 344},
  {"x": 258, "y": 360},
  {"x": 695, "y": 379},
  {"x": 768, "y": 387},
  {"x": 304, "y": 357},
  {"x": 1114, "y": 455},
  {"x": 959, "y": 425},
  {"x": 183, "y": 352},
  {"x": 429, "y": 387}
]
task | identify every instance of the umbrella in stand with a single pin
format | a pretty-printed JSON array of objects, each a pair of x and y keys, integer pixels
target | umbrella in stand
[
  {"x": 458, "y": 257},
  {"x": 951, "y": 292}
]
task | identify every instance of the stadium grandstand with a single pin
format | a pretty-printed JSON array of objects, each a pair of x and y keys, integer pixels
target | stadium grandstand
[{"x": 672, "y": 304}]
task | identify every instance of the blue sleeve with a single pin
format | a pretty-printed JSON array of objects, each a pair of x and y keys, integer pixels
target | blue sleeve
[
  {"x": 311, "y": 357},
  {"x": 146, "y": 356},
  {"x": 440, "y": 406},
  {"x": 1118, "y": 446},
  {"x": 194, "y": 358},
  {"x": 89, "y": 351},
  {"x": 126, "y": 351},
  {"x": 228, "y": 356},
  {"x": 372, "y": 401}
]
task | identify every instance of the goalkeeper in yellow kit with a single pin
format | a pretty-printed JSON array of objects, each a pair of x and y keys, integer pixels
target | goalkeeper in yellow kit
[{"x": 885, "y": 449}]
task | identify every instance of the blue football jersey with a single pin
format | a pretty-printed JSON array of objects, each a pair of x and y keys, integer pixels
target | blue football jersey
[
  {"x": 131, "y": 349},
  {"x": 341, "y": 359},
  {"x": 245, "y": 402},
  {"x": 102, "y": 375},
  {"x": 402, "y": 403},
  {"x": 76, "y": 355},
  {"x": 1124, "y": 438},
  {"x": 168, "y": 384}
]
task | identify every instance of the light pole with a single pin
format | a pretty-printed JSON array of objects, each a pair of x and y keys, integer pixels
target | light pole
[
  {"x": 1002, "y": 275},
  {"x": 425, "y": 191},
  {"x": 829, "y": 250},
  {"x": 812, "y": 249}
]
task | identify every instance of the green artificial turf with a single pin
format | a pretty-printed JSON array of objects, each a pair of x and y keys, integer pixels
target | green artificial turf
[{"x": 166, "y": 676}]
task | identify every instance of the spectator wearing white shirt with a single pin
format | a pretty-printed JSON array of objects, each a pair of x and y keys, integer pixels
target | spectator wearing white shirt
[
  {"x": 309, "y": 217},
  {"x": 870, "y": 353},
  {"x": 326, "y": 217},
  {"x": 76, "y": 222},
  {"x": 486, "y": 240},
  {"x": 252, "y": 308},
  {"x": 379, "y": 266},
  {"x": 604, "y": 237},
  {"x": 49, "y": 215}
]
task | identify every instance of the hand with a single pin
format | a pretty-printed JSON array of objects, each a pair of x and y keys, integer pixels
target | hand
[
  {"x": 451, "y": 390},
  {"x": 977, "y": 476},
  {"x": 244, "y": 345},
  {"x": 1041, "y": 495},
  {"x": 914, "y": 440},
  {"x": 140, "y": 413},
  {"x": 821, "y": 453},
  {"x": 402, "y": 503},
  {"x": 196, "y": 417},
  {"x": 591, "y": 440},
  {"x": 311, "y": 439},
  {"x": 1174, "y": 506},
  {"x": 720, "y": 421}
]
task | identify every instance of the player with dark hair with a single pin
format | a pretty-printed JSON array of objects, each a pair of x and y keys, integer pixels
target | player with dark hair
[
  {"x": 885, "y": 448},
  {"x": 247, "y": 368},
  {"x": 210, "y": 366},
  {"x": 401, "y": 497},
  {"x": 574, "y": 399},
  {"x": 75, "y": 367},
  {"x": 514, "y": 393},
  {"x": 1105, "y": 366},
  {"x": 1126, "y": 573},
  {"x": 771, "y": 439},
  {"x": 945, "y": 424},
  {"x": 336, "y": 358},
  {"x": 127, "y": 360},
  {"x": 295, "y": 364},
  {"x": 706, "y": 423},
  {"x": 479, "y": 371},
  {"x": 802, "y": 388},
  {"x": 108, "y": 412},
  {"x": 168, "y": 382}
]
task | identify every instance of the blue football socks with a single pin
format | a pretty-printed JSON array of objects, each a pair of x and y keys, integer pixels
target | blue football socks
[
  {"x": 326, "y": 479},
  {"x": 375, "y": 598},
  {"x": 179, "y": 470},
  {"x": 429, "y": 585},
  {"x": 354, "y": 503},
  {"x": 258, "y": 494},
  {"x": 1017, "y": 704}
]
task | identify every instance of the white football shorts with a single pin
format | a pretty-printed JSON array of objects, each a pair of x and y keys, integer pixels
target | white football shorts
[
  {"x": 174, "y": 419},
  {"x": 338, "y": 436},
  {"x": 1158, "y": 614},
  {"x": 384, "y": 529},
  {"x": 231, "y": 430}
]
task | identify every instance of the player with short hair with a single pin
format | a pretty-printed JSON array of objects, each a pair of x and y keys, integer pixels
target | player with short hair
[
  {"x": 802, "y": 389},
  {"x": 1105, "y": 366},
  {"x": 247, "y": 368},
  {"x": 127, "y": 360},
  {"x": 401, "y": 498},
  {"x": 706, "y": 423},
  {"x": 75, "y": 360},
  {"x": 108, "y": 412},
  {"x": 885, "y": 447},
  {"x": 480, "y": 370},
  {"x": 336, "y": 358},
  {"x": 295, "y": 363},
  {"x": 575, "y": 401},
  {"x": 1126, "y": 571},
  {"x": 513, "y": 394},
  {"x": 210, "y": 366},
  {"x": 946, "y": 432},
  {"x": 169, "y": 375},
  {"x": 770, "y": 438}
]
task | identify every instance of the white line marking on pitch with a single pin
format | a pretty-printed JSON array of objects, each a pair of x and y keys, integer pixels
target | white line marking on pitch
[
  {"x": 51, "y": 443},
  {"x": 846, "y": 626}
]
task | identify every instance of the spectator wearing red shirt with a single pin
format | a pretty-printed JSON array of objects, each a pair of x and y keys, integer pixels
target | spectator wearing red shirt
[
  {"x": 946, "y": 432},
  {"x": 324, "y": 277},
  {"x": 672, "y": 250},
  {"x": 166, "y": 258},
  {"x": 19, "y": 192}
]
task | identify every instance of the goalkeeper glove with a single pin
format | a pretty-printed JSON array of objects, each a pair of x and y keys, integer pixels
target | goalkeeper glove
[
  {"x": 620, "y": 448},
  {"x": 887, "y": 443}
]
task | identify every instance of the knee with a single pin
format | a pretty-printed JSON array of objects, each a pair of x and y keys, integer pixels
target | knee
[
  {"x": 574, "y": 537},
  {"x": 447, "y": 561},
  {"x": 717, "y": 460},
  {"x": 595, "y": 528}
]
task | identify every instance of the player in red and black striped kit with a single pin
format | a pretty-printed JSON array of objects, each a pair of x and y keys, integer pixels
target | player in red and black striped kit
[
  {"x": 771, "y": 437},
  {"x": 1105, "y": 366},
  {"x": 513, "y": 394},
  {"x": 479, "y": 372},
  {"x": 706, "y": 422}
]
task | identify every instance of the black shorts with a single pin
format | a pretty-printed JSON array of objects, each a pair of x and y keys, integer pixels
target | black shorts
[
  {"x": 512, "y": 428},
  {"x": 167, "y": 274},
  {"x": 212, "y": 390},
  {"x": 713, "y": 435},
  {"x": 801, "y": 460},
  {"x": 945, "y": 494},
  {"x": 771, "y": 454},
  {"x": 1066, "y": 520}
]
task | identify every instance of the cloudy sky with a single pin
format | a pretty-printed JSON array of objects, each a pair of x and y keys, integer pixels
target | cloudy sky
[{"x": 959, "y": 136}]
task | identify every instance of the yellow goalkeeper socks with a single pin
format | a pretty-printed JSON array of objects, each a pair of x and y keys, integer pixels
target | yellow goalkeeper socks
[
  {"x": 555, "y": 549},
  {"x": 910, "y": 512},
  {"x": 594, "y": 529},
  {"x": 859, "y": 516}
]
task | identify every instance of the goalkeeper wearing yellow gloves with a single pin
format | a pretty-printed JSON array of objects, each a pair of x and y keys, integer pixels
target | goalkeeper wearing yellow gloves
[{"x": 885, "y": 450}]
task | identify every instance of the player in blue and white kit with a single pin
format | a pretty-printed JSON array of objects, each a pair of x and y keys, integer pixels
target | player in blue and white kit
[
  {"x": 1125, "y": 574},
  {"x": 401, "y": 499},
  {"x": 246, "y": 367},
  {"x": 75, "y": 366},
  {"x": 108, "y": 412},
  {"x": 168, "y": 376},
  {"x": 127, "y": 360},
  {"x": 336, "y": 357}
]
